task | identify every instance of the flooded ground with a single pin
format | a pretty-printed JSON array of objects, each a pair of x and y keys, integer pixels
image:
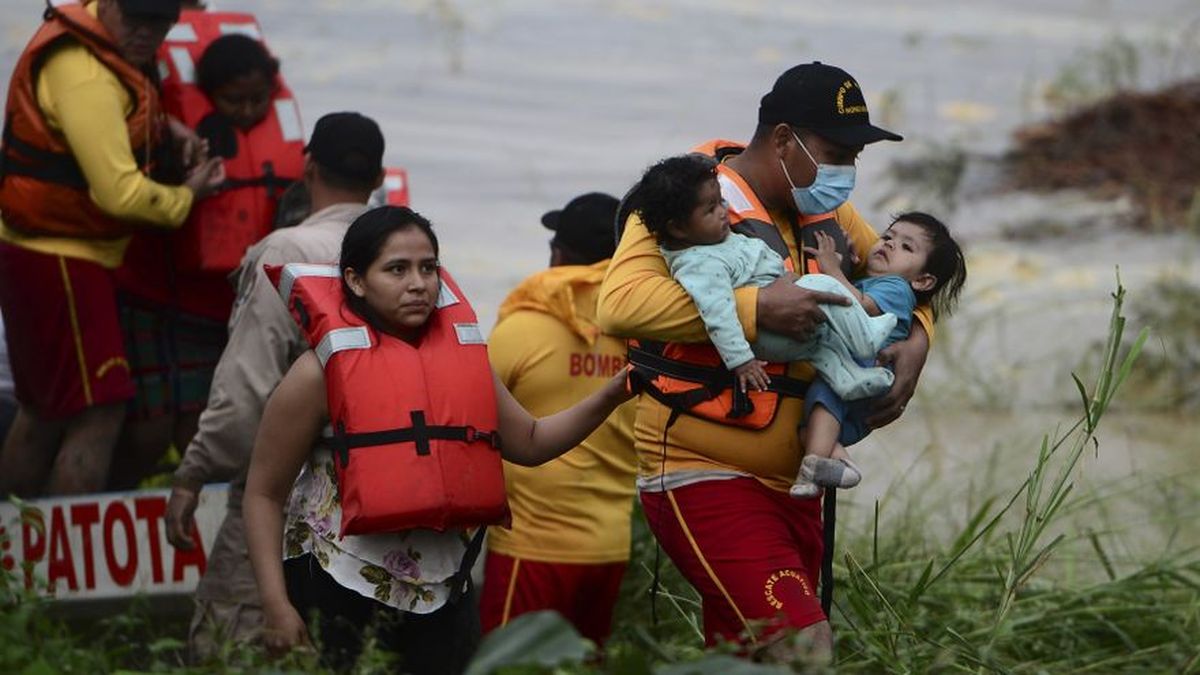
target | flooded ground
[{"x": 502, "y": 109}]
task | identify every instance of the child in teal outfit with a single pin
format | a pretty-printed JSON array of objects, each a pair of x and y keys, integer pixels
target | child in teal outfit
[
  {"x": 679, "y": 201},
  {"x": 915, "y": 261}
]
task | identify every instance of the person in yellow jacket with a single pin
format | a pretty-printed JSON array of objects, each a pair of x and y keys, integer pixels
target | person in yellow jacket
[
  {"x": 82, "y": 124},
  {"x": 715, "y": 494},
  {"x": 569, "y": 543}
]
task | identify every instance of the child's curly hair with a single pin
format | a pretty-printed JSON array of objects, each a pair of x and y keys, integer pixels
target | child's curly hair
[{"x": 667, "y": 192}]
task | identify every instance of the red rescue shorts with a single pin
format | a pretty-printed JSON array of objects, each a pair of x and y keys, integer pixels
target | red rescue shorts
[
  {"x": 753, "y": 554},
  {"x": 64, "y": 340},
  {"x": 584, "y": 594}
]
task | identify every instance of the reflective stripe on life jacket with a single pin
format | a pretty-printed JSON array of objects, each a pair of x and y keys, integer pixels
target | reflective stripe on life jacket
[
  {"x": 394, "y": 191},
  {"x": 415, "y": 426},
  {"x": 689, "y": 378},
  {"x": 42, "y": 189},
  {"x": 260, "y": 163}
]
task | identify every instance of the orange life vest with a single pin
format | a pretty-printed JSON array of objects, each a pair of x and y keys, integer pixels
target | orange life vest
[
  {"x": 263, "y": 162},
  {"x": 414, "y": 426},
  {"x": 42, "y": 189},
  {"x": 689, "y": 378}
]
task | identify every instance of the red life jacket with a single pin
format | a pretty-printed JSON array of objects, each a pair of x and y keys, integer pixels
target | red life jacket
[
  {"x": 42, "y": 189},
  {"x": 689, "y": 378},
  {"x": 395, "y": 187},
  {"x": 267, "y": 157},
  {"x": 414, "y": 426}
]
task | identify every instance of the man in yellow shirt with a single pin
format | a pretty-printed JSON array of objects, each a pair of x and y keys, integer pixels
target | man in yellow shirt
[
  {"x": 569, "y": 543},
  {"x": 82, "y": 125},
  {"x": 715, "y": 493}
]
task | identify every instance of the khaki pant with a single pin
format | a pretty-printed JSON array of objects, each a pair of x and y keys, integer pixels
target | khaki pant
[
  {"x": 218, "y": 625},
  {"x": 227, "y": 607}
]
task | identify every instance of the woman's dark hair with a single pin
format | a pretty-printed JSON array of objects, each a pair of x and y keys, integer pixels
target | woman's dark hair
[
  {"x": 364, "y": 241},
  {"x": 230, "y": 57},
  {"x": 945, "y": 263},
  {"x": 668, "y": 192}
]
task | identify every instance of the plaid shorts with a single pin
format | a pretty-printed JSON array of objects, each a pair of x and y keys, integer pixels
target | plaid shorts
[{"x": 172, "y": 356}]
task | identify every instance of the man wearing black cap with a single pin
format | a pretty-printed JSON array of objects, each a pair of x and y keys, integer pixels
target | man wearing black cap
[
  {"x": 569, "y": 543},
  {"x": 715, "y": 493},
  {"x": 81, "y": 124},
  {"x": 343, "y": 166},
  {"x": 584, "y": 233}
]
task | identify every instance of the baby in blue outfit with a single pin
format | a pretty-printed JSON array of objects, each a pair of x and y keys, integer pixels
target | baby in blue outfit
[{"x": 914, "y": 261}]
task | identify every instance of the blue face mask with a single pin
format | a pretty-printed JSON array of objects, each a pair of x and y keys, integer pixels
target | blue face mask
[{"x": 829, "y": 190}]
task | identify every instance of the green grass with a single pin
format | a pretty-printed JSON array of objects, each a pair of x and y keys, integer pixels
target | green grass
[{"x": 1021, "y": 569}]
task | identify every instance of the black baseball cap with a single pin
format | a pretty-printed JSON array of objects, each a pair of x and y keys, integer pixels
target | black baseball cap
[
  {"x": 151, "y": 9},
  {"x": 349, "y": 144},
  {"x": 825, "y": 100},
  {"x": 586, "y": 226}
]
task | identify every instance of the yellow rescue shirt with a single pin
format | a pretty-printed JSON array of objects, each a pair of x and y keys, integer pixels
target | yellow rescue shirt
[
  {"x": 85, "y": 102},
  {"x": 638, "y": 298},
  {"x": 547, "y": 350}
]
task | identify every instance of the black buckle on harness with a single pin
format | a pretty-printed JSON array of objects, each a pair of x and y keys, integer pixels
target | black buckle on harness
[
  {"x": 472, "y": 434},
  {"x": 419, "y": 434}
]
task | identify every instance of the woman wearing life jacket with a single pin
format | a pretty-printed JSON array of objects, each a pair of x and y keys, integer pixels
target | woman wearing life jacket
[
  {"x": 411, "y": 587},
  {"x": 175, "y": 297}
]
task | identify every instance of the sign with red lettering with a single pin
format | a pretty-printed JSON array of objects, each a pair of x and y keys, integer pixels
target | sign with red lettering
[{"x": 102, "y": 546}]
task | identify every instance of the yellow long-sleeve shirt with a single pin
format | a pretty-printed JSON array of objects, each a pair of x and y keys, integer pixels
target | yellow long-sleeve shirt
[
  {"x": 86, "y": 102},
  {"x": 548, "y": 352},
  {"x": 638, "y": 298}
]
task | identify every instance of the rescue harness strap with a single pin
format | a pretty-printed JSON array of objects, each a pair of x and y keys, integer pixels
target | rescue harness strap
[
  {"x": 419, "y": 433},
  {"x": 712, "y": 380},
  {"x": 829, "y": 527},
  {"x": 647, "y": 365},
  {"x": 462, "y": 578},
  {"x": 20, "y": 158},
  {"x": 273, "y": 182}
]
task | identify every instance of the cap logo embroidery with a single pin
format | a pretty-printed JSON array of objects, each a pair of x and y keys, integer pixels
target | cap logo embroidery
[{"x": 841, "y": 95}]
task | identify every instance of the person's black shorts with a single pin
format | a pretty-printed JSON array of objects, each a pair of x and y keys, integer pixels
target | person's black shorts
[{"x": 442, "y": 642}]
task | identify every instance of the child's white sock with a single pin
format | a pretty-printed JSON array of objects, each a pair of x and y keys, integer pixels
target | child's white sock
[
  {"x": 804, "y": 489},
  {"x": 830, "y": 472}
]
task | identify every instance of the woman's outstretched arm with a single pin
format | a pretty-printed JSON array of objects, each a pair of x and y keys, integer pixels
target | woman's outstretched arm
[
  {"x": 530, "y": 441},
  {"x": 291, "y": 423}
]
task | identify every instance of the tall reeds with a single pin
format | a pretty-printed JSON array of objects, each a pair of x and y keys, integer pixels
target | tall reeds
[{"x": 988, "y": 602}]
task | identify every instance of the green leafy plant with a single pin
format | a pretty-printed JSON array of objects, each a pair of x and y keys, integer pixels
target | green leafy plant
[{"x": 1016, "y": 585}]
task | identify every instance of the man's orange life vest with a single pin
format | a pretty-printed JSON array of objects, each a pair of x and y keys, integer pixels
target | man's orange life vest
[
  {"x": 414, "y": 425},
  {"x": 42, "y": 189},
  {"x": 689, "y": 378},
  {"x": 259, "y": 164}
]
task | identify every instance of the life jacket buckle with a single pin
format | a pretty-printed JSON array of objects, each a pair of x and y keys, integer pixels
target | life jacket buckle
[{"x": 492, "y": 438}]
